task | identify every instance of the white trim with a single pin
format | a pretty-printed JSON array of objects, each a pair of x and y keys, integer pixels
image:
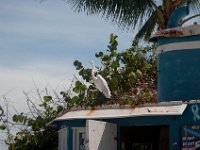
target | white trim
[
  {"x": 62, "y": 139},
  {"x": 76, "y": 131},
  {"x": 177, "y": 46}
]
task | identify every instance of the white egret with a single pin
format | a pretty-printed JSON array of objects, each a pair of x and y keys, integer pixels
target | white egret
[{"x": 99, "y": 82}]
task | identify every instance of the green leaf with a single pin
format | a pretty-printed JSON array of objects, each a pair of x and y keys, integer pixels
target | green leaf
[
  {"x": 1, "y": 111},
  {"x": 47, "y": 98},
  {"x": 76, "y": 62},
  {"x": 75, "y": 100},
  {"x": 100, "y": 54},
  {"x": 115, "y": 64},
  {"x": 2, "y": 127},
  {"x": 15, "y": 118},
  {"x": 59, "y": 109},
  {"x": 78, "y": 65},
  {"x": 114, "y": 81}
]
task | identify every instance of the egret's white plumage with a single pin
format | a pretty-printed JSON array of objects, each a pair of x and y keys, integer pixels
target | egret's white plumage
[{"x": 99, "y": 82}]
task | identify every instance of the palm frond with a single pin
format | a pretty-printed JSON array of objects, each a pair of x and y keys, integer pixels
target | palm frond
[
  {"x": 148, "y": 27},
  {"x": 125, "y": 13}
]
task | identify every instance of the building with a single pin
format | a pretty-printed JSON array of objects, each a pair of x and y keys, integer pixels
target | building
[{"x": 171, "y": 124}]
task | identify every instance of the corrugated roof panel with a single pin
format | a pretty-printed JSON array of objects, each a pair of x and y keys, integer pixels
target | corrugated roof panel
[{"x": 122, "y": 112}]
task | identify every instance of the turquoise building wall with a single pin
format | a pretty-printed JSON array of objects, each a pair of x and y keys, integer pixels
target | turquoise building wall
[
  {"x": 178, "y": 80},
  {"x": 179, "y": 71}
]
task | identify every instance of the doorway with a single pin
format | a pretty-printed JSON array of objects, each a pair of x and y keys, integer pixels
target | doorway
[{"x": 144, "y": 138}]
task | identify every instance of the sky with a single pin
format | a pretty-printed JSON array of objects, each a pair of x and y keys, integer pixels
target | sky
[{"x": 39, "y": 42}]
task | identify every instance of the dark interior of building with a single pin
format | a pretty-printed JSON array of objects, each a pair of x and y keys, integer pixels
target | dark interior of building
[{"x": 144, "y": 138}]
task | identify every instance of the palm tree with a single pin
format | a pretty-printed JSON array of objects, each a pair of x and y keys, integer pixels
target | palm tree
[{"x": 148, "y": 15}]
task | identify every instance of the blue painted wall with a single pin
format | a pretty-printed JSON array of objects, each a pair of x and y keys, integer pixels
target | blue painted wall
[
  {"x": 178, "y": 72},
  {"x": 70, "y": 124}
]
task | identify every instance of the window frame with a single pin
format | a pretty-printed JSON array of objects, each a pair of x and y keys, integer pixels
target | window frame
[{"x": 76, "y": 132}]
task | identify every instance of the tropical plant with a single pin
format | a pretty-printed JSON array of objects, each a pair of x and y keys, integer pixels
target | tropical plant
[
  {"x": 131, "y": 77},
  {"x": 2, "y": 119},
  {"x": 147, "y": 14},
  {"x": 34, "y": 133}
]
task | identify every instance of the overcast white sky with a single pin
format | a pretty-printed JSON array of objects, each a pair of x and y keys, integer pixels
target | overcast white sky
[{"x": 40, "y": 41}]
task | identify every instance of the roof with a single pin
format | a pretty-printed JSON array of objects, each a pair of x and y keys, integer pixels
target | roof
[{"x": 117, "y": 111}]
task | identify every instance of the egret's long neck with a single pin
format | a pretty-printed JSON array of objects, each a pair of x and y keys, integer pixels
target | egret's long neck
[{"x": 93, "y": 70}]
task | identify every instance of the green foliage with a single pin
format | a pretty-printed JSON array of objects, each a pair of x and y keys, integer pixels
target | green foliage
[
  {"x": 1, "y": 111},
  {"x": 130, "y": 74},
  {"x": 27, "y": 140},
  {"x": 131, "y": 77},
  {"x": 2, "y": 119},
  {"x": 2, "y": 127},
  {"x": 36, "y": 135}
]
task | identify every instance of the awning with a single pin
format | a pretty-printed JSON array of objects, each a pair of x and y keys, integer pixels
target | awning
[{"x": 116, "y": 111}]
